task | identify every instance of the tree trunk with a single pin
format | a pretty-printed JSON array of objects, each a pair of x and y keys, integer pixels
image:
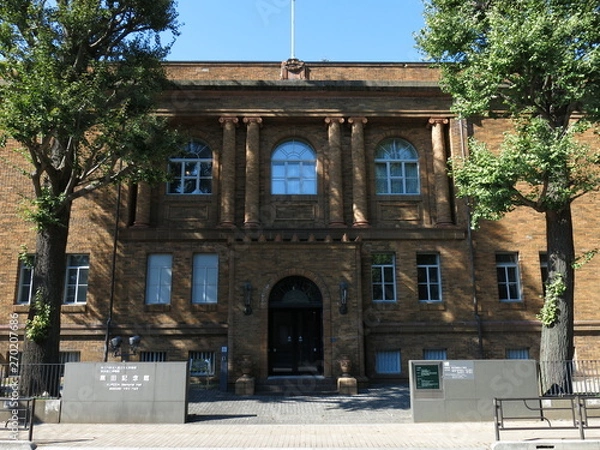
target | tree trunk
[
  {"x": 556, "y": 349},
  {"x": 37, "y": 377}
]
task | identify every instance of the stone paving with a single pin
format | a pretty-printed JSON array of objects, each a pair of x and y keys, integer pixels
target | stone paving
[
  {"x": 389, "y": 404},
  {"x": 376, "y": 418}
]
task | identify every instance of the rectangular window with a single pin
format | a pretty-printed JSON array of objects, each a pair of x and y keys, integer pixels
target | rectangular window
[
  {"x": 25, "y": 294},
  {"x": 388, "y": 362},
  {"x": 517, "y": 353},
  {"x": 435, "y": 353},
  {"x": 65, "y": 357},
  {"x": 383, "y": 277},
  {"x": 158, "y": 279},
  {"x": 507, "y": 271},
  {"x": 202, "y": 364},
  {"x": 544, "y": 270},
  {"x": 153, "y": 356},
  {"x": 76, "y": 285},
  {"x": 205, "y": 278},
  {"x": 428, "y": 277}
]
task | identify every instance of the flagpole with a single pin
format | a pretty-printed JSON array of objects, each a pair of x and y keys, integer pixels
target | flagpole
[{"x": 293, "y": 7}]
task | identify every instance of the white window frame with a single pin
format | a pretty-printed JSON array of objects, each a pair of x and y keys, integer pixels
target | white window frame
[
  {"x": 397, "y": 168},
  {"x": 205, "y": 278},
  {"x": 429, "y": 277},
  {"x": 25, "y": 282},
  {"x": 388, "y": 362},
  {"x": 544, "y": 270},
  {"x": 202, "y": 364},
  {"x": 76, "y": 287},
  {"x": 294, "y": 169},
  {"x": 191, "y": 168},
  {"x": 386, "y": 280},
  {"x": 159, "y": 277},
  {"x": 80, "y": 285},
  {"x": 508, "y": 278}
]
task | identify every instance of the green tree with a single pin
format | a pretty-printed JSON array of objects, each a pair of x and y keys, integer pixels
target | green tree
[
  {"x": 80, "y": 81},
  {"x": 537, "y": 64}
]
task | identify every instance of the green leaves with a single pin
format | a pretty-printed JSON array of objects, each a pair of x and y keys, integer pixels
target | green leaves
[
  {"x": 536, "y": 166},
  {"x": 540, "y": 56},
  {"x": 550, "y": 312},
  {"x": 536, "y": 62},
  {"x": 80, "y": 83},
  {"x": 38, "y": 326}
]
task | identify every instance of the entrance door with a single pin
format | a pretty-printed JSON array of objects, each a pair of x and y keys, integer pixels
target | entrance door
[
  {"x": 296, "y": 342},
  {"x": 295, "y": 328}
]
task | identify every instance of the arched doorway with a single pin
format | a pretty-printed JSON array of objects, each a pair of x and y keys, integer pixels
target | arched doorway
[{"x": 295, "y": 328}]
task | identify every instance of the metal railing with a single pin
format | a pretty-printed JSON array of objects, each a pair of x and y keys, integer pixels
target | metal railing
[
  {"x": 582, "y": 413},
  {"x": 47, "y": 379},
  {"x": 578, "y": 377},
  {"x": 18, "y": 414}
]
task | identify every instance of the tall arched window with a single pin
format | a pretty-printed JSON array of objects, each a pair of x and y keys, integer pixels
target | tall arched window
[
  {"x": 396, "y": 168},
  {"x": 191, "y": 170},
  {"x": 294, "y": 169}
]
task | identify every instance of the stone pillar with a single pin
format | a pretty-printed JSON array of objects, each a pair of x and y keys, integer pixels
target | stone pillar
[
  {"x": 336, "y": 194},
  {"x": 440, "y": 170},
  {"x": 359, "y": 172},
  {"x": 252, "y": 206},
  {"x": 142, "y": 205},
  {"x": 228, "y": 171}
]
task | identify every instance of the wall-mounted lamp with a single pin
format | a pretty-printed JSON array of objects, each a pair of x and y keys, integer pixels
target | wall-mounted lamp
[
  {"x": 247, "y": 298},
  {"x": 116, "y": 343},
  {"x": 134, "y": 343},
  {"x": 343, "y": 297}
]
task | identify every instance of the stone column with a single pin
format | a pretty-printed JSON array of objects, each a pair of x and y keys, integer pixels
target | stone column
[
  {"x": 336, "y": 194},
  {"x": 359, "y": 172},
  {"x": 142, "y": 205},
  {"x": 228, "y": 171},
  {"x": 252, "y": 206},
  {"x": 440, "y": 171}
]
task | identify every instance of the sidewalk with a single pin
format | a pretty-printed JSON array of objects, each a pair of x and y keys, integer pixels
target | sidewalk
[{"x": 376, "y": 418}]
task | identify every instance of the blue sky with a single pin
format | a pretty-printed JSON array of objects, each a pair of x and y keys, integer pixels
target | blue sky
[{"x": 334, "y": 30}]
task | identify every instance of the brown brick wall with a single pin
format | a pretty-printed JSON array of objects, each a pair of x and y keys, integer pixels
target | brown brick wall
[
  {"x": 317, "y": 71},
  {"x": 294, "y": 238}
]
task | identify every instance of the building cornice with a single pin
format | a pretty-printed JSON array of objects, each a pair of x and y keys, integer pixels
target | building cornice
[{"x": 308, "y": 85}]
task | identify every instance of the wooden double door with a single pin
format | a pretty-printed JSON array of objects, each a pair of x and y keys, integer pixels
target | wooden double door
[
  {"x": 296, "y": 342},
  {"x": 295, "y": 328}
]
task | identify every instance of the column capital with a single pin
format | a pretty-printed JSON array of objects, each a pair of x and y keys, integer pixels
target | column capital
[
  {"x": 357, "y": 120},
  {"x": 228, "y": 119},
  {"x": 253, "y": 119},
  {"x": 433, "y": 121},
  {"x": 332, "y": 120}
]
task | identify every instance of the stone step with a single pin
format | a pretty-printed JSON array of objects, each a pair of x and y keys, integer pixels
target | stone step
[{"x": 297, "y": 385}]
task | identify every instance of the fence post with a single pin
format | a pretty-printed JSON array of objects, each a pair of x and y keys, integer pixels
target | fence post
[
  {"x": 496, "y": 423},
  {"x": 580, "y": 417},
  {"x": 31, "y": 419}
]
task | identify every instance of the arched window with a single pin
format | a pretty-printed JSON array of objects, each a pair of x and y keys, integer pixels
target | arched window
[
  {"x": 191, "y": 170},
  {"x": 396, "y": 168},
  {"x": 294, "y": 169}
]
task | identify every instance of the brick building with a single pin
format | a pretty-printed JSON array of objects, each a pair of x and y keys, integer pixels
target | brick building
[{"x": 309, "y": 218}]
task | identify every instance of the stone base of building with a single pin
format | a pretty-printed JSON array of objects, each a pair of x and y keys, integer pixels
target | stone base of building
[
  {"x": 347, "y": 386},
  {"x": 244, "y": 386}
]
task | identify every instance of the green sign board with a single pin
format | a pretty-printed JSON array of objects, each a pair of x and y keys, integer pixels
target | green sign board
[{"x": 427, "y": 376}]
